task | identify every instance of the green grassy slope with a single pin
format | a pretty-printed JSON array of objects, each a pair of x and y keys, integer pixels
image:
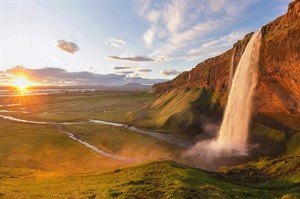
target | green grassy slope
[
  {"x": 168, "y": 112},
  {"x": 148, "y": 180},
  {"x": 273, "y": 172}
]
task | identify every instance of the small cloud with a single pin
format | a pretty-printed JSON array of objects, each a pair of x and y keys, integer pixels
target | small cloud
[
  {"x": 145, "y": 70},
  {"x": 133, "y": 59},
  {"x": 119, "y": 40},
  {"x": 125, "y": 72},
  {"x": 69, "y": 47},
  {"x": 169, "y": 72},
  {"x": 116, "y": 42},
  {"x": 149, "y": 36},
  {"x": 122, "y": 67}
]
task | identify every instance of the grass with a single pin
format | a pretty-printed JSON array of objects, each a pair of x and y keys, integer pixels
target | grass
[
  {"x": 76, "y": 107},
  {"x": 148, "y": 180},
  {"x": 268, "y": 133},
  {"x": 122, "y": 141},
  {"x": 43, "y": 147},
  {"x": 271, "y": 172},
  {"x": 39, "y": 161},
  {"x": 169, "y": 108}
]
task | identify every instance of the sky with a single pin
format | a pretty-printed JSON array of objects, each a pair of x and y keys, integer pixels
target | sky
[{"x": 80, "y": 42}]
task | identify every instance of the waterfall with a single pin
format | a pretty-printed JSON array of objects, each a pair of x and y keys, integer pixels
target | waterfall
[
  {"x": 231, "y": 69},
  {"x": 233, "y": 134}
]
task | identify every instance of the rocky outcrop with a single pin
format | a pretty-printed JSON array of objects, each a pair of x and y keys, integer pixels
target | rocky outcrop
[{"x": 277, "y": 95}]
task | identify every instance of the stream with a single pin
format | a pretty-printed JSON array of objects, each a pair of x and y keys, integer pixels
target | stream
[
  {"x": 59, "y": 126},
  {"x": 167, "y": 138}
]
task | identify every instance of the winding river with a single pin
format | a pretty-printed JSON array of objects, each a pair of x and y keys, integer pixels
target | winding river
[
  {"x": 167, "y": 138},
  {"x": 59, "y": 126}
]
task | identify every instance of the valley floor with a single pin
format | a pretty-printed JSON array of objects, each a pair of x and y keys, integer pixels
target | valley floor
[{"x": 59, "y": 149}]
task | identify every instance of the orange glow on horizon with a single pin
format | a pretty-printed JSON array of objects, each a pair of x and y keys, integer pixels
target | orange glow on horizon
[{"x": 22, "y": 82}]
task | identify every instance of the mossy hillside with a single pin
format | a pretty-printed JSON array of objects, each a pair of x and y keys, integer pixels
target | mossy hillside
[
  {"x": 293, "y": 145},
  {"x": 283, "y": 170},
  {"x": 168, "y": 108},
  {"x": 207, "y": 101},
  {"x": 178, "y": 110},
  {"x": 268, "y": 133},
  {"x": 147, "y": 180}
]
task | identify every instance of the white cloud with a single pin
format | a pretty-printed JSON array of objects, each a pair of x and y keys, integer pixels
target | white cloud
[
  {"x": 169, "y": 72},
  {"x": 173, "y": 15},
  {"x": 214, "y": 47},
  {"x": 175, "y": 26},
  {"x": 116, "y": 42},
  {"x": 142, "y": 7},
  {"x": 179, "y": 40},
  {"x": 153, "y": 16},
  {"x": 225, "y": 41},
  {"x": 149, "y": 36}
]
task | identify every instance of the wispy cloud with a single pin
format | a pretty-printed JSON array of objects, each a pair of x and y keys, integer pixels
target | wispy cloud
[
  {"x": 145, "y": 70},
  {"x": 214, "y": 47},
  {"x": 117, "y": 42},
  {"x": 69, "y": 47},
  {"x": 169, "y": 72},
  {"x": 175, "y": 26},
  {"x": 133, "y": 59},
  {"x": 182, "y": 39},
  {"x": 174, "y": 14},
  {"x": 142, "y": 6},
  {"x": 125, "y": 72},
  {"x": 121, "y": 67}
]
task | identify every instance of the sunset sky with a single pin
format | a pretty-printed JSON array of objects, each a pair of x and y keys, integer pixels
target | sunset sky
[{"x": 68, "y": 41}]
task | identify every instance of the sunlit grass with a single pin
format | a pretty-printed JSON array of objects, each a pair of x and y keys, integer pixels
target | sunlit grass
[
  {"x": 44, "y": 147},
  {"x": 147, "y": 180},
  {"x": 122, "y": 141}
]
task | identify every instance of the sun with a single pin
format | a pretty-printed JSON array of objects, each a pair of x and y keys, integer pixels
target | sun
[{"x": 22, "y": 83}]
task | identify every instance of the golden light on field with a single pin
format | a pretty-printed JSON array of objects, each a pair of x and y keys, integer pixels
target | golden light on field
[{"x": 22, "y": 83}]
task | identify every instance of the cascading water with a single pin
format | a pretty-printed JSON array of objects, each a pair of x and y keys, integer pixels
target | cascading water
[
  {"x": 231, "y": 70},
  {"x": 234, "y": 129},
  {"x": 233, "y": 134}
]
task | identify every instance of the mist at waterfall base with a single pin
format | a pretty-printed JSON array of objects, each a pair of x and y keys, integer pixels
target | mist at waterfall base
[{"x": 231, "y": 139}]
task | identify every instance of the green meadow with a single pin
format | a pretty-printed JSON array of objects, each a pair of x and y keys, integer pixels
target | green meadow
[{"x": 41, "y": 161}]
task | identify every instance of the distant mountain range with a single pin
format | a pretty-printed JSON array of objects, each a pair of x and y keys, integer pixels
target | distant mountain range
[{"x": 129, "y": 86}]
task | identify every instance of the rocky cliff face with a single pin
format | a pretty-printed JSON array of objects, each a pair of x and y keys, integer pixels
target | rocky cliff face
[{"x": 277, "y": 95}]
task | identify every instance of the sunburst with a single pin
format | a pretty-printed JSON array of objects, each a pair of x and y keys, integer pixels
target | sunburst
[{"x": 22, "y": 83}]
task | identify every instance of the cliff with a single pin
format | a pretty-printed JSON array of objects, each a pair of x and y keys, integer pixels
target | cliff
[{"x": 277, "y": 97}]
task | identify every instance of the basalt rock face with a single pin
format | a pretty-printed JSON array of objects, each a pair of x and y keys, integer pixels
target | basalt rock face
[{"x": 277, "y": 96}]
